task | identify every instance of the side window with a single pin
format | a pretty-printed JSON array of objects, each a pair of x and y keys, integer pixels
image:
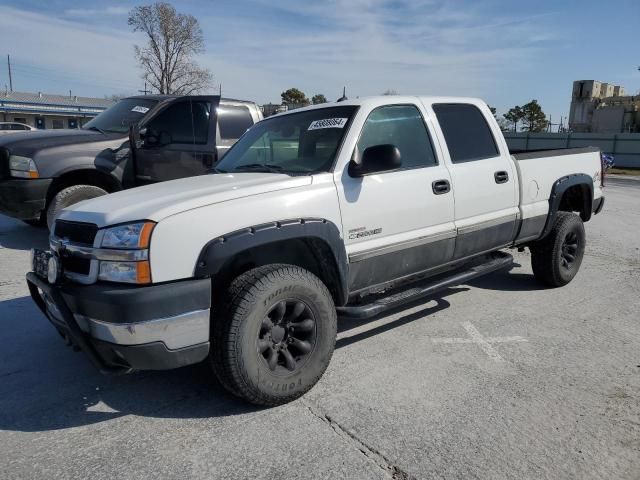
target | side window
[
  {"x": 17, "y": 126},
  {"x": 466, "y": 132},
  {"x": 184, "y": 122},
  {"x": 402, "y": 126},
  {"x": 233, "y": 121}
]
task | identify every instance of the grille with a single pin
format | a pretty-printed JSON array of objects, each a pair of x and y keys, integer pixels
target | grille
[
  {"x": 4, "y": 163},
  {"x": 73, "y": 264},
  {"x": 76, "y": 232}
]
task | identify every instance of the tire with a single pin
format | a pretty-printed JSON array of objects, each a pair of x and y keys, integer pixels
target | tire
[
  {"x": 252, "y": 353},
  {"x": 556, "y": 258},
  {"x": 68, "y": 196}
]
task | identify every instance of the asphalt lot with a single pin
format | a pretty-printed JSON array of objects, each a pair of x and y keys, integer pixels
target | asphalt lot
[{"x": 496, "y": 379}]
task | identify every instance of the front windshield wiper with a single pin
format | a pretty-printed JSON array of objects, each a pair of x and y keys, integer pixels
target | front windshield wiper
[
  {"x": 264, "y": 167},
  {"x": 95, "y": 129}
]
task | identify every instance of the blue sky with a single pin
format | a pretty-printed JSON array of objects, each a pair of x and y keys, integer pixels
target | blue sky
[{"x": 503, "y": 51}]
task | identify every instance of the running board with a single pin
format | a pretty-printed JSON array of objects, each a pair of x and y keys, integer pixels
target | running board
[{"x": 492, "y": 262}]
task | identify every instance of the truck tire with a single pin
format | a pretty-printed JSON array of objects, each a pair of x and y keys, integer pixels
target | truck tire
[
  {"x": 273, "y": 334},
  {"x": 68, "y": 196},
  {"x": 557, "y": 257}
]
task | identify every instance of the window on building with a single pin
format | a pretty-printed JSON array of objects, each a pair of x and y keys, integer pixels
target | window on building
[
  {"x": 57, "y": 123},
  {"x": 466, "y": 132},
  {"x": 402, "y": 126},
  {"x": 233, "y": 121},
  {"x": 20, "y": 119}
]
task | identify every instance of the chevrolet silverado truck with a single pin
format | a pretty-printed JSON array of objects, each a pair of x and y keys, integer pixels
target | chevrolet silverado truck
[
  {"x": 44, "y": 171},
  {"x": 346, "y": 209}
]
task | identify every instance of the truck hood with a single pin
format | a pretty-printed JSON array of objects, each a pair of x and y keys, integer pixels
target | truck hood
[
  {"x": 28, "y": 143},
  {"x": 161, "y": 200}
]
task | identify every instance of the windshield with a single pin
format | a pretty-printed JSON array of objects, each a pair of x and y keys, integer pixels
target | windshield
[
  {"x": 119, "y": 117},
  {"x": 304, "y": 142}
]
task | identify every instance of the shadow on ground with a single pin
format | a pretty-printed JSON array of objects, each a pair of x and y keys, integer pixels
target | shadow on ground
[
  {"x": 46, "y": 386},
  {"x": 17, "y": 235}
]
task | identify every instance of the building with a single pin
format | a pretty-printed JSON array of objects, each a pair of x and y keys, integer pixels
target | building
[
  {"x": 599, "y": 107},
  {"x": 43, "y": 110},
  {"x": 269, "y": 109}
]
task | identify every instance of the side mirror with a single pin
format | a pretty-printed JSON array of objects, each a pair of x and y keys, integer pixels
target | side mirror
[{"x": 379, "y": 158}]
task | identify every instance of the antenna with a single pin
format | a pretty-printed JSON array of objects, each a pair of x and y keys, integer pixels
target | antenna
[
  {"x": 10, "y": 76},
  {"x": 145, "y": 88},
  {"x": 344, "y": 95}
]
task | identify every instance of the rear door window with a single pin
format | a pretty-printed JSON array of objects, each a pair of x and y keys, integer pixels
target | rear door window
[
  {"x": 466, "y": 132},
  {"x": 233, "y": 121}
]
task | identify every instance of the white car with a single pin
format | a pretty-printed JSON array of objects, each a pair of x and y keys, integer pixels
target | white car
[
  {"x": 349, "y": 208},
  {"x": 14, "y": 127}
]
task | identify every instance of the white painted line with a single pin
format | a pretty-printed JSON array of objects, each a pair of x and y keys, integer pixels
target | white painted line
[
  {"x": 483, "y": 342},
  {"x": 477, "y": 337}
]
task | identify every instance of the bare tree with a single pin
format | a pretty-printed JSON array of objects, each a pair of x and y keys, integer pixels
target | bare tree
[{"x": 172, "y": 41}]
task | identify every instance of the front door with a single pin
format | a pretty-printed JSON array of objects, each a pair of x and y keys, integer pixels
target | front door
[
  {"x": 179, "y": 142},
  {"x": 483, "y": 178},
  {"x": 400, "y": 222}
]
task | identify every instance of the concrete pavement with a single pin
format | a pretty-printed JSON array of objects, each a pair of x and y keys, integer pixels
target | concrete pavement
[{"x": 497, "y": 379}]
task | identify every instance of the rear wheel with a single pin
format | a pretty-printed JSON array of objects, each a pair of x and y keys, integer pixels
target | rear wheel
[
  {"x": 274, "y": 334},
  {"x": 68, "y": 196},
  {"x": 556, "y": 258}
]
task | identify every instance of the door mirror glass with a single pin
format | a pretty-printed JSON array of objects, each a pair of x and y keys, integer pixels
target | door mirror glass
[{"x": 376, "y": 159}]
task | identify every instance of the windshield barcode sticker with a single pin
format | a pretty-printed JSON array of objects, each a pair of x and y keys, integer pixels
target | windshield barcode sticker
[
  {"x": 328, "y": 123},
  {"x": 140, "y": 109}
]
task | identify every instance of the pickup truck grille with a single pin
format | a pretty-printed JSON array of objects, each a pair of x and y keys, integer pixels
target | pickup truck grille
[
  {"x": 4, "y": 163},
  {"x": 81, "y": 266},
  {"x": 76, "y": 232}
]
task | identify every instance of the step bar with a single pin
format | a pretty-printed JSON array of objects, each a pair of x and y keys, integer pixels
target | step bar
[{"x": 487, "y": 264}]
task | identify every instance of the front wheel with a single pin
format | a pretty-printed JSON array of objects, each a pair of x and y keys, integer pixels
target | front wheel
[
  {"x": 274, "y": 334},
  {"x": 556, "y": 258},
  {"x": 68, "y": 196}
]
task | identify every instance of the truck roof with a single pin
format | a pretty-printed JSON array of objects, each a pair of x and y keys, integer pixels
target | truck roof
[
  {"x": 379, "y": 100},
  {"x": 171, "y": 97}
]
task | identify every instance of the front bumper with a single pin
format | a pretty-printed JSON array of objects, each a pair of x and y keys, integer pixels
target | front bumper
[
  {"x": 24, "y": 198},
  {"x": 124, "y": 328}
]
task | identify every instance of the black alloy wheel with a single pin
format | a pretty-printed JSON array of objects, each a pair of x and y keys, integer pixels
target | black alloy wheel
[
  {"x": 287, "y": 336},
  {"x": 568, "y": 250}
]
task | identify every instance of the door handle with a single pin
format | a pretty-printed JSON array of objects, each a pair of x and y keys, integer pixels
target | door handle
[
  {"x": 441, "y": 186},
  {"x": 501, "y": 176}
]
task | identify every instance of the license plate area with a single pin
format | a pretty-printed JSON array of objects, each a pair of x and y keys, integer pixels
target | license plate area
[{"x": 40, "y": 262}]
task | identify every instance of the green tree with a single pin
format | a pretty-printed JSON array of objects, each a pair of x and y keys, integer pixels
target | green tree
[
  {"x": 533, "y": 118},
  {"x": 514, "y": 116},
  {"x": 295, "y": 96},
  {"x": 493, "y": 110},
  {"x": 318, "y": 98}
]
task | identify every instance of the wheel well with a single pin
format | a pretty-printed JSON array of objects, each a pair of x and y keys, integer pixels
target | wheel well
[
  {"x": 312, "y": 254},
  {"x": 84, "y": 177},
  {"x": 577, "y": 198}
]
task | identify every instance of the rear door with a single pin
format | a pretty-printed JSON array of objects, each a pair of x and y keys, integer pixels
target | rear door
[
  {"x": 397, "y": 223},
  {"x": 483, "y": 177},
  {"x": 179, "y": 142},
  {"x": 233, "y": 120}
]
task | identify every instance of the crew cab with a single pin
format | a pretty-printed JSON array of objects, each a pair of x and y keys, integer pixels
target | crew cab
[
  {"x": 344, "y": 209},
  {"x": 137, "y": 141}
]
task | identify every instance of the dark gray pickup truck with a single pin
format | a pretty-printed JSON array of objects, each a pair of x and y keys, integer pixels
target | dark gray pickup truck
[{"x": 42, "y": 172}]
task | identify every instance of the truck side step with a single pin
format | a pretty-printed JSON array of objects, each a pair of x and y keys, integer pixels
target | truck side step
[{"x": 488, "y": 264}]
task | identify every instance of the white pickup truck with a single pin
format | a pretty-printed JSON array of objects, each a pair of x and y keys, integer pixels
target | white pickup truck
[{"x": 344, "y": 209}]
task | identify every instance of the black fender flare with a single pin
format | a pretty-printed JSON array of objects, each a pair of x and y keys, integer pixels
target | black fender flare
[
  {"x": 557, "y": 191},
  {"x": 218, "y": 251}
]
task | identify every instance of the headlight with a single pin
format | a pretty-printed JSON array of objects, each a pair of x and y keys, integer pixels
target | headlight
[
  {"x": 126, "y": 272},
  {"x": 22, "y": 167},
  {"x": 131, "y": 236}
]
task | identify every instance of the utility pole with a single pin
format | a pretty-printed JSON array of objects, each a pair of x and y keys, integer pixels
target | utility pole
[
  {"x": 10, "y": 77},
  {"x": 145, "y": 88}
]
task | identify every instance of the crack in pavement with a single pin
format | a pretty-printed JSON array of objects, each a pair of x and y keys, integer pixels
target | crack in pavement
[{"x": 372, "y": 455}]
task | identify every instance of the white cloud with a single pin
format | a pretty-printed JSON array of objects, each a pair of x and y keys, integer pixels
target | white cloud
[
  {"x": 421, "y": 47},
  {"x": 94, "y": 12}
]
